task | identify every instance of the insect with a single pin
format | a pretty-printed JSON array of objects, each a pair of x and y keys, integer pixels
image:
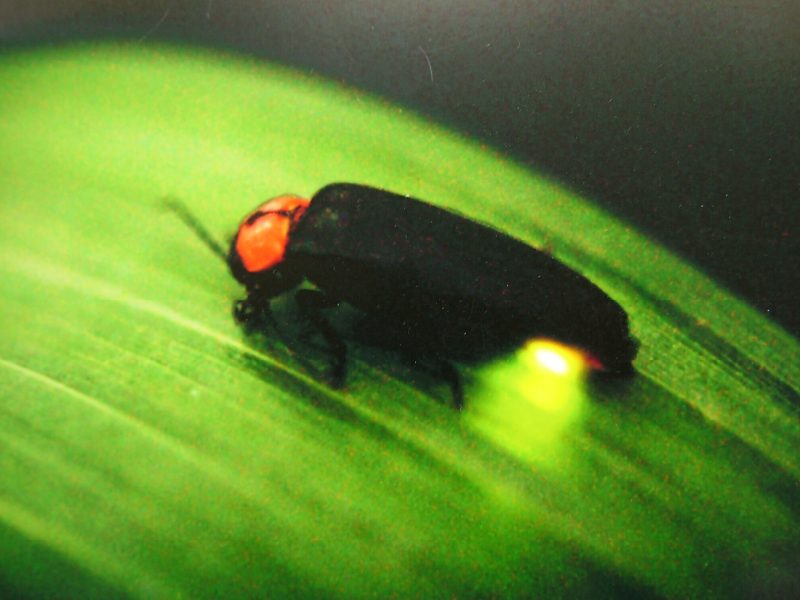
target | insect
[{"x": 436, "y": 286}]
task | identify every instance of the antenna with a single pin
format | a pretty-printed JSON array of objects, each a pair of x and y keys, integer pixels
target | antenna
[{"x": 180, "y": 209}]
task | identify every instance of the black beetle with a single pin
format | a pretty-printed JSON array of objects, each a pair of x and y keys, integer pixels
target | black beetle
[{"x": 441, "y": 287}]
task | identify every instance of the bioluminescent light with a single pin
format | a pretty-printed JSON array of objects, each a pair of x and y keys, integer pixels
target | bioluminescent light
[
  {"x": 552, "y": 360},
  {"x": 524, "y": 403}
]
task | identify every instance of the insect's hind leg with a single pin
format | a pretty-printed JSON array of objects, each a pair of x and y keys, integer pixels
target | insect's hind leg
[
  {"x": 311, "y": 303},
  {"x": 441, "y": 368},
  {"x": 451, "y": 375}
]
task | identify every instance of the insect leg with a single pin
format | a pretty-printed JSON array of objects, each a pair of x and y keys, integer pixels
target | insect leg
[
  {"x": 311, "y": 303},
  {"x": 441, "y": 368},
  {"x": 451, "y": 375},
  {"x": 254, "y": 314}
]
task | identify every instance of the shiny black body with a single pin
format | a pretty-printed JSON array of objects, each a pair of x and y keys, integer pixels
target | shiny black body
[{"x": 440, "y": 286}]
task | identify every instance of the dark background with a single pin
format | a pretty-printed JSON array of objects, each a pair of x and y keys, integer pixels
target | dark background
[{"x": 682, "y": 117}]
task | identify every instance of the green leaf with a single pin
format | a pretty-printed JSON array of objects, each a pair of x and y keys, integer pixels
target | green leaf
[{"x": 150, "y": 449}]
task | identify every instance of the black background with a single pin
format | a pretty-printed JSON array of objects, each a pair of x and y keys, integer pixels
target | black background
[{"x": 682, "y": 117}]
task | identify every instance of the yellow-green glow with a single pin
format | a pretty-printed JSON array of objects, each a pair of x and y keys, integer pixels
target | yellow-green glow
[
  {"x": 526, "y": 402},
  {"x": 552, "y": 361}
]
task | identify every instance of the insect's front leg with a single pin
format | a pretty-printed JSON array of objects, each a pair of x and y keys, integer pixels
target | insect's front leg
[
  {"x": 311, "y": 303},
  {"x": 254, "y": 313}
]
